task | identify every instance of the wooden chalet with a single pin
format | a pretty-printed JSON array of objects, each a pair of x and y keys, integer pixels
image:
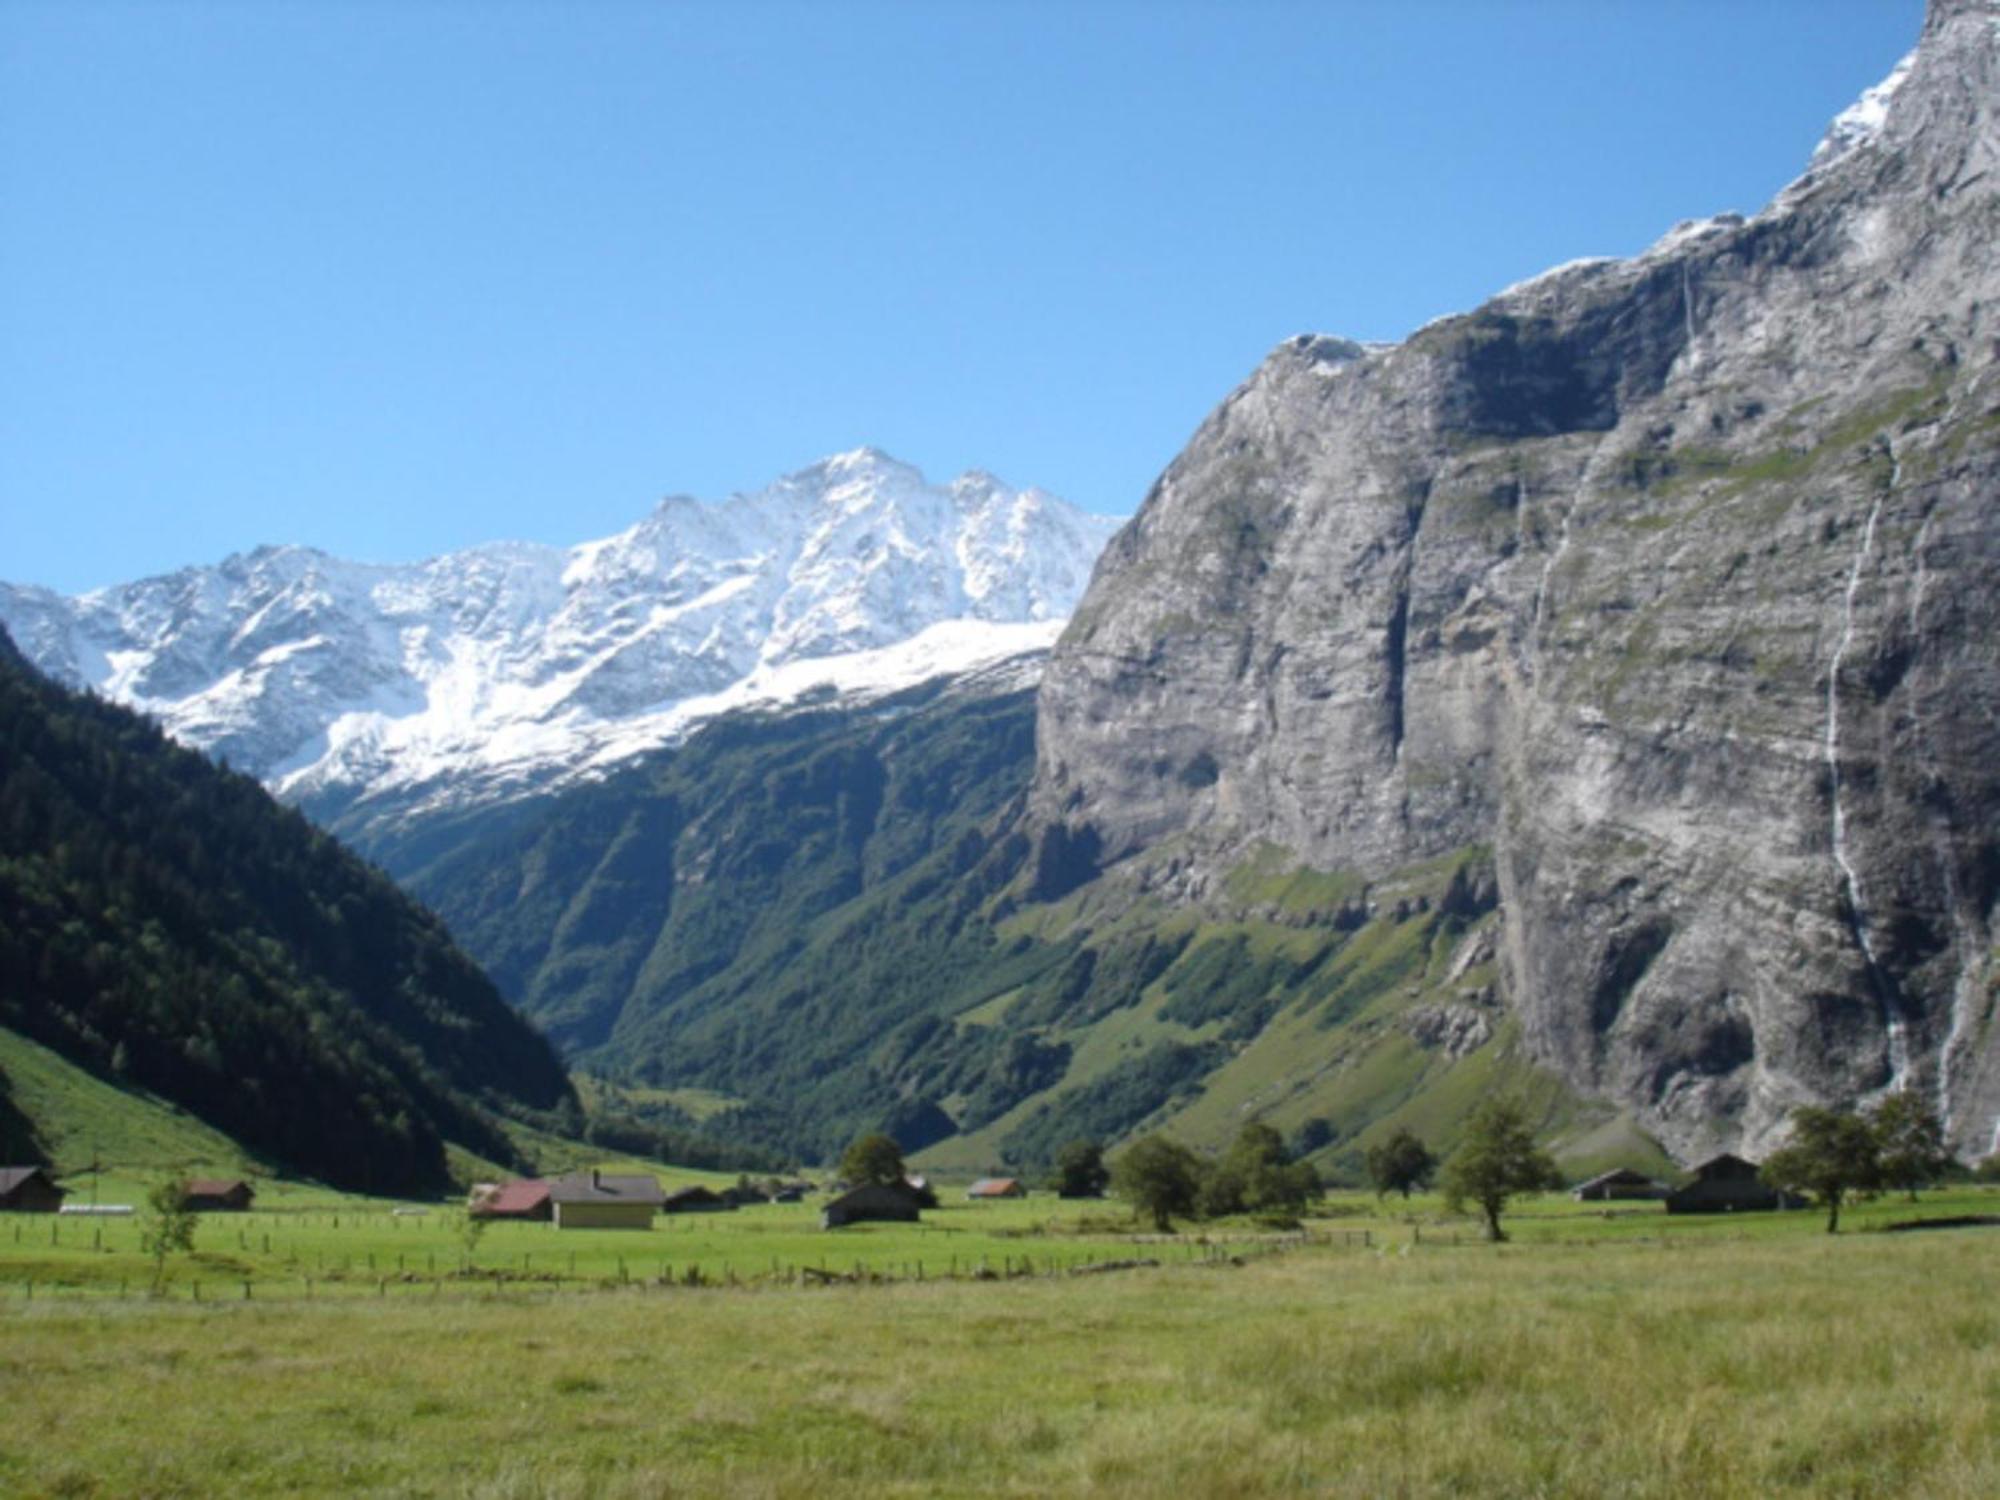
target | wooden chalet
[
  {"x": 218, "y": 1195},
  {"x": 1620, "y": 1184},
  {"x": 1728, "y": 1184},
  {"x": 879, "y": 1202},
  {"x": 527, "y": 1198},
  {"x": 698, "y": 1200},
  {"x": 29, "y": 1190},
  {"x": 605, "y": 1200},
  {"x": 997, "y": 1187}
]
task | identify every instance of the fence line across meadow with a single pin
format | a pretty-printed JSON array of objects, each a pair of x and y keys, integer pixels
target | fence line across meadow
[{"x": 470, "y": 1280}]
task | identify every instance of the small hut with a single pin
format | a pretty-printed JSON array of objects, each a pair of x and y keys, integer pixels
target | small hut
[
  {"x": 218, "y": 1195},
  {"x": 527, "y": 1198},
  {"x": 28, "y": 1190},
  {"x": 882, "y": 1202},
  {"x": 696, "y": 1200},
  {"x": 1619, "y": 1184},
  {"x": 605, "y": 1200},
  {"x": 996, "y": 1187}
]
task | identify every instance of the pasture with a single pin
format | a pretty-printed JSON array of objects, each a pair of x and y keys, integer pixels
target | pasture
[
  {"x": 303, "y": 1241},
  {"x": 1607, "y": 1351},
  {"x": 1703, "y": 1364}
]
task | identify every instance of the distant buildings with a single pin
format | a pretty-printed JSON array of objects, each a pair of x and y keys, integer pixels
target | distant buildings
[
  {"x": 697, "y": 1200},
  {"x": 996, "y": 1187},
  {"x": 605, "y": 1200},
  {"x": 885, "y": 1202},
  {"x": 28, "y": 1190},
  {"x": 218, "y": 1195},
  {"x": 1618, "y": 1185},
  {"x": 528, "y": 1199},
  {"x": 1728, "y": 1184}
]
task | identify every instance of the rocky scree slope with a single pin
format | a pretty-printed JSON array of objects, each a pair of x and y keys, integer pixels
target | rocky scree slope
[
  {"x": 377, "y": 696},
  {"x": 1664, "y": 590}
]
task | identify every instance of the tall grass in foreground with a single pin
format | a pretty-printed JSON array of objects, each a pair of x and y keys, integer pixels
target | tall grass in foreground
[{"x": 1858, "y": 1366}]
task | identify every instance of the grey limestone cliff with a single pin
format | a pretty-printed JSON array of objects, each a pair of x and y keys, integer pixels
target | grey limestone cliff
[{"x": 1671, "y": 582}]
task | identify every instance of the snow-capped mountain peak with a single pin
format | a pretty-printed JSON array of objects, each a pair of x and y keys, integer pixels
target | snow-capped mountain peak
[{"x": 508, "y": 666}]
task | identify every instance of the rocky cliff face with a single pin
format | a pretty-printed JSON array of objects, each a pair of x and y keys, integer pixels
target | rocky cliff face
[{"x": 1671, "y": 583}]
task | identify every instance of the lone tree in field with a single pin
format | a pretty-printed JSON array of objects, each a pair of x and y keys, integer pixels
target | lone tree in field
[
  {"x": 1159, "y": 1178},
  {"x": 1832, "y": 1153},
  {"x": 1080, "y": 1170},
  {"x": 873, "y": 1159},
  {"x": 1399, "y": 1165},
  {"x": 471, "y": 1230},
  {"x": 168, "y": 1227},
  {"x": 1497, "y": 1159},
  {"x": 1909, "y": 1139}
]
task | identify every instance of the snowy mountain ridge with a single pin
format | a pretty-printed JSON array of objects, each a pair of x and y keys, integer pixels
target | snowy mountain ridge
[{"x": 479, "y": 675}]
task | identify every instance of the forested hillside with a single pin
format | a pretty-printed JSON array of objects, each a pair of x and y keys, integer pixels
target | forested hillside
[
  {"x": 832, "y": 918},
  {"x": 756, "y": 912},
  {"x": 166, "y": 924}
]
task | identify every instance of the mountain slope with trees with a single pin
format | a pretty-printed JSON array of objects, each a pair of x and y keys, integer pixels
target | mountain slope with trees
[{"x": 164, "y": 923}]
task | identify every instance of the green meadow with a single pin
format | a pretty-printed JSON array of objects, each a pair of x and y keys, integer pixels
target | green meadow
[
  {"x": 1702, "y": 1364},
  {"x": 1606, "y": 1351}
]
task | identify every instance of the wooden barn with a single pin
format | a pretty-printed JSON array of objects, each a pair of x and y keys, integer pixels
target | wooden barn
[
  {"x": 697, "y": 1200},
  {"x": 878, "y": 1202},
  {"x": 996, "y": 1187},
  {"x": 527, "y": 1198},
  {"x": 605, "y": 1200},
  {"x": 1728, "y": 1184},
  {"x": 218, "y": 1195},
  {"x": 28, "y": 1190},
  {"x": 1620, "y": 1184}
]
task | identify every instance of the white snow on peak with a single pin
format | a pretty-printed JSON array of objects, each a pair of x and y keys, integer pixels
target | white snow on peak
[
  {"x": 482, "y": 673},
  {"x": 1567, "y": 268},
  {"x": 1862, "y": 120}
]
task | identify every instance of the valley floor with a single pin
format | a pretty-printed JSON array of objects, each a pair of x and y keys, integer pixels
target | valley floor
[{"x": 1686, "y": 1365}]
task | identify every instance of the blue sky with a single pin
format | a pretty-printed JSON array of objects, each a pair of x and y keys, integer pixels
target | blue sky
[{"x": 392, "y": 278}]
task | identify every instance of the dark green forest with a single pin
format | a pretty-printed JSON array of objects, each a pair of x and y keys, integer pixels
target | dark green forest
[
  {"x": 788, "y": 908},
  {"x": 165, "y": 924},
  {"x": 809, "y": 912}
]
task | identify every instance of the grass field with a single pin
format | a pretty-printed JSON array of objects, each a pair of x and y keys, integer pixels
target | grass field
[
  {"x": 1702, "y": 1363},
  {"x": 304, "y": 1240}
]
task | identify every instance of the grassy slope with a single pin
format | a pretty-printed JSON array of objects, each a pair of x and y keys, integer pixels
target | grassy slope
[
  {"x": 78, "y": 1117},
  {"x": 1705, "y": 1367},
  {"x": 140, "y": 1139},
  {"x": 1339, "y": 1044}
]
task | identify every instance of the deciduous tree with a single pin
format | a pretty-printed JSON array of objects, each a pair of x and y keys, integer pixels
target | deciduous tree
[
  {"x": 1831, "y": 1154},
  {"x": 1909, "y": 1139},
  {"x": 1497, "y": 1159},
  {"x": 168, "y": 1227},
  {"x": 873, "y": 1158},
  {"x": 1400, "y": 1164},
  {"x": 1080, "y": 1170},
  {"x": 1159, "y": 1178}
]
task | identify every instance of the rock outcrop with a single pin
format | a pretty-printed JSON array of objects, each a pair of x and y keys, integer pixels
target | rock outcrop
[{"x": 1672, "y": 582}]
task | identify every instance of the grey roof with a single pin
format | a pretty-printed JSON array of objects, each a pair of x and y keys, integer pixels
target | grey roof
[
  {"x": 1618, "y": 1174},
  {"x": 13, "y": 1177},
  {"x": 607, "y": 1187}
]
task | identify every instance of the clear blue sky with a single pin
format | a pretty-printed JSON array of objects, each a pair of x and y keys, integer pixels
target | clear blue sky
[{"x": 392, "y": 277}]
